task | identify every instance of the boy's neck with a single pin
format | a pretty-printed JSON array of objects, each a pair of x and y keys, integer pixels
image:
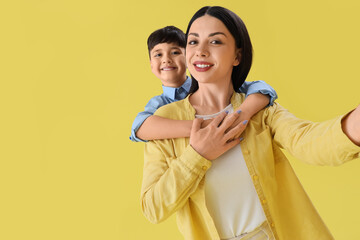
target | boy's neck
[{"x": 174, "y": 84}]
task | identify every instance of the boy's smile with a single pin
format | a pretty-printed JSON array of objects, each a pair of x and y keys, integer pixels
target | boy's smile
[
  {"x": 168, "y": 68},
  {"x": 167, "y": 62}
]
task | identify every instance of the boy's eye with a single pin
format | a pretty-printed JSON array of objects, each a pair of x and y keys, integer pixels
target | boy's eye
[
  {"x": 157, "y": 55},
  {"x": 176, "y": 52}
]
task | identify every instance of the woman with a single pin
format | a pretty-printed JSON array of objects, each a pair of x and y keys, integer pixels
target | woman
[{"x": 219, "y": 188}]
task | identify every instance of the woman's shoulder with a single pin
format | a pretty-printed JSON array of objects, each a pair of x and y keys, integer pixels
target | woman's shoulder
[{"x": 267, "y": 115}]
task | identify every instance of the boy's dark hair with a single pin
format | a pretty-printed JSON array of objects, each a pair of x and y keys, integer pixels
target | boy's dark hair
[
  {"x": 169, "y": 34},
  {"x": 238, "y": 30}
]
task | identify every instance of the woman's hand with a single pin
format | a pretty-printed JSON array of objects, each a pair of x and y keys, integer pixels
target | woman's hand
[
  {"x": 216, "y": 138},
  {"x": 351, "y": 126},
  {"x": 243, "y": 119}
]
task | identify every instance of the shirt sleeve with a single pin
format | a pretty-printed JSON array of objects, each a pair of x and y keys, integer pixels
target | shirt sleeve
[
  {"x": 150, "y": 108},
  {"x": 317, "y": 143},
  {"x": 259, "y": 87},
  {"x": 168, "y": 182}
]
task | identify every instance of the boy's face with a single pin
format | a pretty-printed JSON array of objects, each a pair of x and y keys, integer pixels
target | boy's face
[{"x": 167, "y": 62}]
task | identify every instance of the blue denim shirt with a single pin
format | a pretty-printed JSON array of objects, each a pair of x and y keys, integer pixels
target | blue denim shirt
[{"x": 171, "y": 94}]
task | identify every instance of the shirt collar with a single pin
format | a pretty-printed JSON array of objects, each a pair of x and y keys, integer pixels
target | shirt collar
[{"x": 178, "y": 93}]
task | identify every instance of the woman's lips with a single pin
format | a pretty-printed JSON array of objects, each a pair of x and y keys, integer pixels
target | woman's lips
[{"x": 202, "y": 66}]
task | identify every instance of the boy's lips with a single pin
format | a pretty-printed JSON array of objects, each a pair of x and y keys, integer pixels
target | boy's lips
[
  {"x": 168, "y": 68},
  {"x": 201, "y": 66}
]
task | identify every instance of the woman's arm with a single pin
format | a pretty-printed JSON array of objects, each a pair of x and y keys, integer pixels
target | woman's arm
[
  {"x": 168, "y": 182},
  {"x": 317, "y": 143}
]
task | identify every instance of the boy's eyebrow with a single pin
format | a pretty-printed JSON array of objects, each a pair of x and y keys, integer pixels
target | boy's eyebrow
[
  {"x": 210, "y": 35},
  {"x": 155, "y": 50},
  {"x": 159, "y": 49}
]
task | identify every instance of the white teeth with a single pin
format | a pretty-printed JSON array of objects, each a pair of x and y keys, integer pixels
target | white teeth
[
  {"x": 168, "y": 68},
  {"x": 202, "y": 65}
]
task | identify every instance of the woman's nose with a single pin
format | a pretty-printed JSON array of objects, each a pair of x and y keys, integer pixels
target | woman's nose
[{"x": 201, "y": 51}]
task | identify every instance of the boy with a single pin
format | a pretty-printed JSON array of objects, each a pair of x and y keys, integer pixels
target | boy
[{"x": 166, "y": 48}]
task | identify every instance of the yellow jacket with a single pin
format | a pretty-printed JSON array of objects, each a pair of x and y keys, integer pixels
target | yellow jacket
[{"x": 173, "y": 178}]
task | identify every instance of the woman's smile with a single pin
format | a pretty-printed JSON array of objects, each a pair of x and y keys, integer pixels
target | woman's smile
[{"x": 202, "y": 66}]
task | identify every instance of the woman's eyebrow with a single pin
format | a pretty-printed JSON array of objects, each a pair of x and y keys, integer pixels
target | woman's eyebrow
[
  {"x": 210, "y": 35},
  {"x": 194, "y": 34},
  {"x": 217, "y": 33}
]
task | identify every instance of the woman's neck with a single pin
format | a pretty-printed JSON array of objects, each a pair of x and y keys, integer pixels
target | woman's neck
[{"x": 211, "y": 98}]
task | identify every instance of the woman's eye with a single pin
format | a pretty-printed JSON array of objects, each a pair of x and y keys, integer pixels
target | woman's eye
[
  {"x": 192, "y": 42},
  {"x": 216, "y": 42}
]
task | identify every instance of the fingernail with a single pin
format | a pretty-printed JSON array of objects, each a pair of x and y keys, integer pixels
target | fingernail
[
  {"x": 241, "y": 139},
  {"x": 245, "y": 122},
  {"x": 238, "y": 111}
]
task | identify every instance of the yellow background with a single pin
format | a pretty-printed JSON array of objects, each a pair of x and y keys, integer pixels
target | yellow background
[{"x": 74, "y": 74}]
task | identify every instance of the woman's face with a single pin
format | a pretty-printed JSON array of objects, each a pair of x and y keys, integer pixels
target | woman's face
[{"x": 210, "y": 51}]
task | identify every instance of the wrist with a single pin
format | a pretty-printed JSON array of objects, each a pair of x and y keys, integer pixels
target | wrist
[{"x": 245, "y": 112}]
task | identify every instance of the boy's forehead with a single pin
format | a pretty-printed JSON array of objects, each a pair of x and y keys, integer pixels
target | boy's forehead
[{"x": 166, "y": 47}]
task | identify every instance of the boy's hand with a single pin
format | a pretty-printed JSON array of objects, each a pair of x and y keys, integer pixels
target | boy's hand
[{"x": 216, "y": 138}]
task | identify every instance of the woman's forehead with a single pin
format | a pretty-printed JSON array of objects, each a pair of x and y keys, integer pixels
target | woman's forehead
[{"x": 207, "y": 25}]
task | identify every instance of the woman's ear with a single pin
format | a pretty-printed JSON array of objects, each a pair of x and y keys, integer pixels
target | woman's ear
[{"x": 237, "y": 57}]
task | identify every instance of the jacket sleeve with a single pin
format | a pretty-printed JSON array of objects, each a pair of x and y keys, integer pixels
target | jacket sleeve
[
  {"x": 317, "y": 143},
  {"x": 150, "y": 108},
  {"x": 259, "y": 87},
  {"x": 169, "y": 182}
]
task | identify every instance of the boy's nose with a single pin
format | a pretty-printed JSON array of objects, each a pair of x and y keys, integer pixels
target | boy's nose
[{"x": 167, "y": 60}]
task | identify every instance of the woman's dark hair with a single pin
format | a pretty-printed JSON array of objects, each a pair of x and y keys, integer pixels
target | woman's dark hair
[
  {"x": 168, "y": 34},
  {"x": 238, "y": 30}
]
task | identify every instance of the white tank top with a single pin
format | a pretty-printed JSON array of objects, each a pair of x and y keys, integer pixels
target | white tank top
[{"x": 231, "y": 198}]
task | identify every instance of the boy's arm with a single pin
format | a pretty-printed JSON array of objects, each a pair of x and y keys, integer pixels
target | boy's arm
[
  {"x": 148, "y": 127},
  {"x": 156, "y": 127},
  {"x": 258, "y": 96},
  {"x": 259, "y": 87},
  {"x": 150, "y": 108},
  {"x": 139, "y": 120}
]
